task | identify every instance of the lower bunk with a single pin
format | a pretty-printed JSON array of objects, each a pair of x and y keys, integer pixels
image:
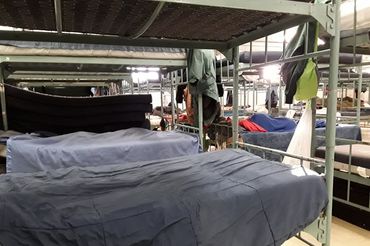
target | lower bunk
[
  {"x": 351, "y": 182},
  {"x": 228, "y": 197}
]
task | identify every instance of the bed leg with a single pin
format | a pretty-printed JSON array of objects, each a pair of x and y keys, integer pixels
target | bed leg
[{"x": 331, "y": 118}]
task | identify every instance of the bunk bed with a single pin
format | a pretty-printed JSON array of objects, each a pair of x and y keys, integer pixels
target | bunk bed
[
  {"x": 352, "y": 181},
  {"x": 255, "y": 20}
]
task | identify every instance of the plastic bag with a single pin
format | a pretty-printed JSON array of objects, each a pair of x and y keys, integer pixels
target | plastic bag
[{"x": 301, "y": 140}]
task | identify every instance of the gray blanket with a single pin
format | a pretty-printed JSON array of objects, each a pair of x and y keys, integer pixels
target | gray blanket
[
  {"x": 222, "y": 198},
  {"x": 27, "y": 153},
  {"x": 281, "y": 140}
]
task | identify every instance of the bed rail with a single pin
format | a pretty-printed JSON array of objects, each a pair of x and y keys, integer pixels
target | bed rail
[
  {"x": 317, "y": 228},
  {"x": 347, "y": 174}
]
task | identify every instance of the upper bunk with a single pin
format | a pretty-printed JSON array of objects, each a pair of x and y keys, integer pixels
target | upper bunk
[{"x": 212, "y": 24}]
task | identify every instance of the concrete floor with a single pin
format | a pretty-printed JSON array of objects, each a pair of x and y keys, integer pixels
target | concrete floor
[
  {"x": 365, "y": 132},
  {"x": 343, "y": 234}
]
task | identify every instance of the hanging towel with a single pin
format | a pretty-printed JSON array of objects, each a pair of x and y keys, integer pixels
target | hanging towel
[{"x": 301, "y": 77}]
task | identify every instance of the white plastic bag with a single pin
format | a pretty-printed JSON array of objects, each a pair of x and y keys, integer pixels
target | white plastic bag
[{"x": 301, "y": 140}]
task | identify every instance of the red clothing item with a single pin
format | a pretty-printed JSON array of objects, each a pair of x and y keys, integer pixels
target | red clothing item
[{"x": 251, "y": 126}]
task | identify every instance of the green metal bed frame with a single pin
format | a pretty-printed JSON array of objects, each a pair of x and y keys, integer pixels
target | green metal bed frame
[{"x": 328, "y": 15}]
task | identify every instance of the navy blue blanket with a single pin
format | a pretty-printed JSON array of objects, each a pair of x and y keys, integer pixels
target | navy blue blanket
[
  {"x": 221, "y": 198},
  {"x": 272, "y": 124}
]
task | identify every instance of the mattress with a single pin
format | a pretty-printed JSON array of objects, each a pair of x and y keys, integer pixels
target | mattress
[
  {"x": 360, "y": 154},
  {"x": 281, "y": 140},
  {"x": 28, "y": 153},
  {"x": 28, "y": 112},
  {"x": 228, "y": 197}
]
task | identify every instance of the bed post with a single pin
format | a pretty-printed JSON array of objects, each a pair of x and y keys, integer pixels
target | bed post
[
  {"x": 200, "y": 120},
  {"x": 173, "y": 82},
  {"x": 359, "y": 88},
  {"x": 331, "y": 117},
  {"x": 161, "y": 93},
  {"x": 2, "y": 98},
  {"x": 235, "y": 95}
]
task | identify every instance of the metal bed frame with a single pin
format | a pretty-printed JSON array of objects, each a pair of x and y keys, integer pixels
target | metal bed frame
[
  {"x": 328, "y": 15},
  {"x": 349, "y": 176}
]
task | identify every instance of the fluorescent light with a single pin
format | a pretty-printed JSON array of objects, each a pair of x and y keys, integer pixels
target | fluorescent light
[
  {"x": 153, "y": 69},
  {"x": 271, "y": 73},
  {"x": 140, "y": 77}
]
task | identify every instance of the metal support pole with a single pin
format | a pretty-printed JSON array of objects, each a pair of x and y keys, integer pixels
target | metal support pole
[
  {"x": 354, "y": 93},
  {"x": 331, "y": 118},
  {"x": 248, "y": 95},
  {"x": 200, "y": 120},
  {"x": 161, "y": 94},
  {"x": 280, "y": 94},
  {"x": 341, "y": 99},
  {"x": 222, "y": 102},
  {"x": 313, "y": 135},
  {"x": 244, "y": 98},
  {"x": 235, "y": 96},
  {"x": 253, "y": 95},
  {"x": 2, "y": 100},
  {"x": 269, "y": 98},
  {"x": 172, "y": 102},
  {"x": 359, "y": 88}
]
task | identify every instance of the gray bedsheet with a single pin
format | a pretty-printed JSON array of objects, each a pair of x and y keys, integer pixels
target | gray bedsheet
[
  {"x": 281, "y": 140},
  {"x": 27, "y": 153},
  {"x": 221, "y": 198}
]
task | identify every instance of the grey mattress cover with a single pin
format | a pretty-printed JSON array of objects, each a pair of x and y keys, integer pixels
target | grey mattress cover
[
  {"x": 360, "y": 154},
  {"x": 27, "y": 153},
  {"x": 229, "y": 197},
  {"x": 281, "y": 140}
]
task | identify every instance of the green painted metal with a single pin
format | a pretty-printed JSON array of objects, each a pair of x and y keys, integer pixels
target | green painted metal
[
  {"x": 317, "y": 229},
  {"x": 59, "y": 73},
  {"x": 352, "y": 204},
  {"x": 331, "y": 118},
  {"x": 2, "y": 99},
  {"x": 61, "y": 84},
  {"x": 66, "y": 77},
  {"x": 353, "y": 178},
  {"x": 200, "y": 120},
  {"x": 323, "y": 14},
  {"x": 94, "y": 60},
  {"x": 109, "y": 40},
  {"x": 359, "y": 88},
  {"x": 291, "y": 59},
  {"x": 272, "y": 28},
  {"x": 235, "y": 96}
]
